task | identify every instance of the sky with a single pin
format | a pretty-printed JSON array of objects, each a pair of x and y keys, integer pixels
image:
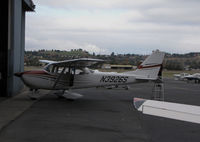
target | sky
[{"x": 119, "y": 26}]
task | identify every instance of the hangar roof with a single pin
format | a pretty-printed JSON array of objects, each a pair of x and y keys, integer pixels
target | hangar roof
[{"x": 28, "y": 5}]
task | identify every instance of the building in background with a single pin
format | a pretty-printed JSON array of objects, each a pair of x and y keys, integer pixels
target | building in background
[{"x": 12, "y": 43}]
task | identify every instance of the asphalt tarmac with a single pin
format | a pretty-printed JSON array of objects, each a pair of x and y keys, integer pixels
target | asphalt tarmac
[{"x": 103, "y": 115}]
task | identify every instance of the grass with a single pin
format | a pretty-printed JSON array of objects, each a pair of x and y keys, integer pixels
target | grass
[
  {"x": 170, "y": 73},
  {"x": 28, "y": 68}
]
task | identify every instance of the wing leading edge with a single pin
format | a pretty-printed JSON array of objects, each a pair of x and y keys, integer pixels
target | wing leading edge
[
  {"x": 47, "y": 61},
  {"x": 82, "y": 62}
]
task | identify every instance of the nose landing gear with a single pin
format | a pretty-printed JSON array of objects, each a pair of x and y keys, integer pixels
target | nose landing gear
[{"x": 34, "y": 95}]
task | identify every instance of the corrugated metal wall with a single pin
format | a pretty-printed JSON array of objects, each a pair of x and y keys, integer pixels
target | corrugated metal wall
[{"x": 12, "y": 43}]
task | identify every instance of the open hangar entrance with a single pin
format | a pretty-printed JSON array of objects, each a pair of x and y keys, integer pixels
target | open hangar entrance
[{"x": 12, "y": 44}]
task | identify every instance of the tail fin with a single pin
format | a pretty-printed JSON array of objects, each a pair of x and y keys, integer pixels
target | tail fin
[{"x": 151, "y": 66}]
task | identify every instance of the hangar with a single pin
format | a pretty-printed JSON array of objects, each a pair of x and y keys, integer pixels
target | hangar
[{"x": 12, "y": 44}]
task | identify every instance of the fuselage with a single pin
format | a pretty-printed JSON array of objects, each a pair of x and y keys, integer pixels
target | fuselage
[{"x": 54, "y": 81}]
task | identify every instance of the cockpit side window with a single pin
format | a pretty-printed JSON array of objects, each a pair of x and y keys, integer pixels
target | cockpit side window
[
  {"x": 87, "y": 71},
  {"x": 53, "y": 69},
  {"x": 72, "y": 70},
  {"x": 79, "y": 71},
  {"x": 48, "y": 68}
]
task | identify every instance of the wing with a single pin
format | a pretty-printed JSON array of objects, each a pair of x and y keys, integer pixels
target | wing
[
  {"x": 47, "y": 61},
  {"x": 82, "y": 62},
  {"x": 176, "y": 111}
]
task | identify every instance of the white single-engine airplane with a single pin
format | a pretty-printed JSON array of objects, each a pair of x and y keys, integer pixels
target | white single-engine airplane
[
  {"x": 75, "y": 74},
  {"x": 180, "y": 76},
  {"x": 195, "y": 77}
]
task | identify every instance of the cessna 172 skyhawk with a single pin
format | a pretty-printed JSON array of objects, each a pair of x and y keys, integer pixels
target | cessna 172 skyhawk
[{"x": 75, "y": 74}]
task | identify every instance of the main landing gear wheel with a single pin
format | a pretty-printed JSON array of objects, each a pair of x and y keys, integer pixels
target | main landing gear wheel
[
  {"x": 71, "y": 95},
  {"x": 59, "y": 94}
]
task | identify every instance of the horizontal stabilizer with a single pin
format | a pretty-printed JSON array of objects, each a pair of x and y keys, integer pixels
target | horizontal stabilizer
[{"x": 176, "y": 111}]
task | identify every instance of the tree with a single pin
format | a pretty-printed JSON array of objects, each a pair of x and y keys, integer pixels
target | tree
[
  {"x": 112, "y": 54},
  {"x": 174, "y": 65}
]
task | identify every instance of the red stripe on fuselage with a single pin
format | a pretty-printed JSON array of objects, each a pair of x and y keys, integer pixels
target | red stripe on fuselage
[
  {"x": 35, "y": 72},
  {"x": 143, "y": 67}
]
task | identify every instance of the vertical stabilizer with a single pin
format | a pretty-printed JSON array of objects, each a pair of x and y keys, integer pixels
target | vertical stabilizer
[{"x": 151, "y": 66}]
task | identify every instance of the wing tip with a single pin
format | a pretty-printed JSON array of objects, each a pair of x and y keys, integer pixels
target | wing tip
[{"x": 137, "y": 102}]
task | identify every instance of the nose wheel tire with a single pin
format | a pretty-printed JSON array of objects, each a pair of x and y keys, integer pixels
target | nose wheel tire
[{"x": 34, "y": 95}]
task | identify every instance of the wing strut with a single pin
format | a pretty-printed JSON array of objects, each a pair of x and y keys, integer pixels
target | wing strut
[{"x": 58, "y": 79}]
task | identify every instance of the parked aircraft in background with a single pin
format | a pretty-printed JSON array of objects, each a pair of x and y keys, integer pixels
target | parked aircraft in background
[
  {"x": 194, "y": 77},
  {"x": 180, "y": 76},
  {"x": 75, "y": 74},
  {"x": 188, "y": 77}
]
